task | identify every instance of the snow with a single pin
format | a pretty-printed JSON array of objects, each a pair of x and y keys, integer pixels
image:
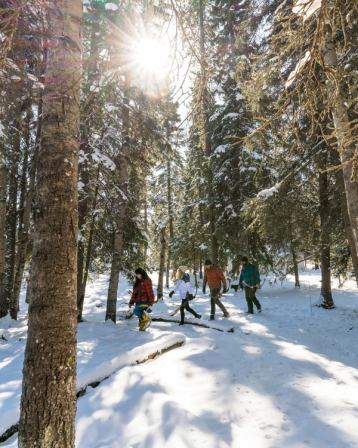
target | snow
[
  {"x": 239, "y": 96},
  {"x": 284, "y": 378},
  {"x": 221, "y": 149},
  {"x": 301, "y": 63},
  {"x": 111, "y": 7},
  {"x": 306, "y": 8},
  {"x": 230, "y": 116},
  {"x": 268, "y": 192}
]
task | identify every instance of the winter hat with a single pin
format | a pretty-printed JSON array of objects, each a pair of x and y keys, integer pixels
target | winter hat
[
  {"x": 183, "y": 268},
  {"x": 208, "y": 262}
]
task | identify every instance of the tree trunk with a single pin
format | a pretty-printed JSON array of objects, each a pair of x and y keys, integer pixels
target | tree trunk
[
  {"x": 93, "y": 76},
  {"x": 82, "y": 287},
  {"x": 214, "y": 245},
  {"x": 24, "y": 215},
  {"x": 161, "y": 264},
  {"x": 345, "y": 214},
  {"x": 11, "y": 221},
  {"x": 344, "y": 132},
  {"x": 145, "y": 255},
  {"x": 48, "y": 402},
  {"x": 122, "y": 162},
  {"x": 170, "y": 220},
  {"x": 324, "y": 212},
  {"x": 4, "y": 306},
  {"x": 294, "y": 258}
]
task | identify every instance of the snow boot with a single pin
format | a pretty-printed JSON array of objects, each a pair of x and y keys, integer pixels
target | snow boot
[{"x": 144, "y": 322}]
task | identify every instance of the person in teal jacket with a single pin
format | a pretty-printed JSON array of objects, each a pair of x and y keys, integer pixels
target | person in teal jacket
[{"x": 250, "y": 282}]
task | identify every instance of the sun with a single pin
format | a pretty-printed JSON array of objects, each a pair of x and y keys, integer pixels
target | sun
[
  {"x": 150, "y": 63},
  {"x": 151, "y": 56}
]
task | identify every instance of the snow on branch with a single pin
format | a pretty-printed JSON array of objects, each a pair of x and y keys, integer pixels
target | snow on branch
[
  {"x": 300, "y": 65},
  {"x": 111, "y": 7},
  {"x": 306, "y": 8},
  {"x": 268, "y": 192}
]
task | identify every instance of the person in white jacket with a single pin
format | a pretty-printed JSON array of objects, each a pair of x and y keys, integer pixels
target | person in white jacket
[{"x": 183, "y": 289}]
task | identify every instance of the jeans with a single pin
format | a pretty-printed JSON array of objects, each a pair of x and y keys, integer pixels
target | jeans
[{"x": 139, "y": 309}]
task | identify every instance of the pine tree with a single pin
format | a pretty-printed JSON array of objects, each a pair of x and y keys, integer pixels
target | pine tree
[{"x": 49, "y": 380}]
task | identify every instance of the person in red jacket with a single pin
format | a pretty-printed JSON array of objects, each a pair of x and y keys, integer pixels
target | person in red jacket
[
  {"x": 142, "y": 298},
  {"x": 215, "y": 277}
]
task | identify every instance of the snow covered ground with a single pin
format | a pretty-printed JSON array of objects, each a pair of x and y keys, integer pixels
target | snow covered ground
[{"x": 287, "y": 378}]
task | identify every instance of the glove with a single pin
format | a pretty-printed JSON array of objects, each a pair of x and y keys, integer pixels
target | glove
[
  {"x": 225, "y": 290},
  {"x": 171, "y": 294},
  {"x": 190, "y": 297}
]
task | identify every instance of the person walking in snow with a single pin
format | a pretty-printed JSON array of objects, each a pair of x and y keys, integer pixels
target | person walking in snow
[
  {"x": 215, "y": 278},
  {"x": 250, "y": 282},
  {"x": 142, "y": 298},
  {"x": 183, "y": 289}
]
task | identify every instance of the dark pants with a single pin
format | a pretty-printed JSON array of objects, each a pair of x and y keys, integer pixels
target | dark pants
[
  {"x": 214, "y": 298},
  {"x": 250, "y": 295},
  {"x": 185, "y": 306}
]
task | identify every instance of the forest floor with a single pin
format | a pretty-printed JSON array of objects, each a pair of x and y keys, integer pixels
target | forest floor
[{"x": 286, "y": 378}]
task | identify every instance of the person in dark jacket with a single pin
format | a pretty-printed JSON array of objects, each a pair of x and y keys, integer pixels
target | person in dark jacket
[
  {"x": 215, "y": 277},
  {"x": 142, "y": 298},
  {"x": 250, "y": 282}
]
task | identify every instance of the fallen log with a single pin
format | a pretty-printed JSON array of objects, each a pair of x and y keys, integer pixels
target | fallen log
[{"x": 197, "y": 324}]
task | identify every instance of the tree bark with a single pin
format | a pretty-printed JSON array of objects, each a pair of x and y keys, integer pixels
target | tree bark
[
  {"x": 145, "y": 250},
  {"x": 324, "y": 212},
  {"x": 48, "y": 402},
  {"x": 12, "y": 219},
  {"x": 170, "y": 220},
  {"x": 82, "y": 287},
  {"x": 294, "y": 258},
  {"x": 345, "y": 215},
  {"x": 4, "y": 306},
  {"x": 214, "y": 244},
  {"x": 344, "y": 134},
  {"x": 122, "y": 162},
  {"x": 24, "y": 215},
  {"x": 161, "y": 263},
  {"x": 85, "y": 198}
]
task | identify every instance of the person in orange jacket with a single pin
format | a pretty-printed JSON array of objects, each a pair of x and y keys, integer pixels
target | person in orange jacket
[{"x": 215, "y": 278}]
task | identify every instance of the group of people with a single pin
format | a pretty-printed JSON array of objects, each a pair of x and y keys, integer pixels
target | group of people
[{"x": 143, "y": 296}]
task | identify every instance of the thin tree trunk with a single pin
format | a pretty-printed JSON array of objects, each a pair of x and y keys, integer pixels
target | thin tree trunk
[
  {"x": 4, "y": 306},
  {"x": 161, "y": 264},
  {"x": 85, "y": 165},
  {"x": 324, "y": 212},
  {"x": 294, "y": 258},
  {"x": 24, "y": 215},
  {"x": 11, "y": 221},
  {"x": 48, "y": 402},
  {"x": 344, "y": 133},
  {"x": 170, "y": 220},
  {"x": 145, "y": 224},
  {"x": 122, "y": 162},
  {"x": 82, "y": 287}
]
